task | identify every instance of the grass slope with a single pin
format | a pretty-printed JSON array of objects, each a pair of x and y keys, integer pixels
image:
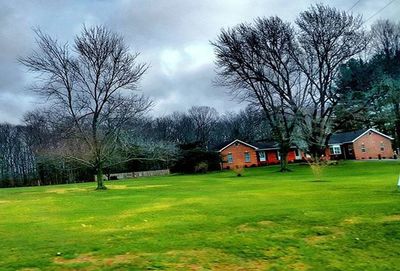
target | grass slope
[{"x": 263, "y": 221}]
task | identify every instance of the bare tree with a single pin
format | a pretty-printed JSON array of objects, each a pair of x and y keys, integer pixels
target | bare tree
[
  {"x": 91, "y": 87},
  {"x": 385, "y": 37},
  {"x": 17, "y": 161},
  {"x": 256, "y": 62},
  {"x": 327, "y": 38},
  {"x": 204, "y": 119}
]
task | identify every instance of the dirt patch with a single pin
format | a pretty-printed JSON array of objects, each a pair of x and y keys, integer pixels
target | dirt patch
[
  {"x": 391, "y": 218},
  {"x": 97, "y": 261},
  {"x": 202, "y": 260},
  {"x": 84, "y": 258},
  {"x": 249, "y": 227},
  {"x": 193, "y": 260},
  {"x": 246, "y": 266},
  {"x": 117, "y": 186},
  {"x": 299, "y": 266},
  {"x": 324, "y": 234},
  {"x": 149, "y": 186},
  {"x": 147, "y": 209},
  {"x": 352, "y": 220},
  {"x": 246, "y": 228},
  {"x": 65, "y": 190},
  {"x": 316, "y": 239},
  {"x": 266, "y": 223}
]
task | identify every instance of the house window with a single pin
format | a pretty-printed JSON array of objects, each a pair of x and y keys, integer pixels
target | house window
[
  {"x": 382, "y": 147},
  {"x": 247, "y": 157},
  {"x": 262, "y": 156},
  {"x": 230, "y": 158},
  {"x": 278, "y": 155},
  {"x": 362, "y": 147},
  {"x": 335, "y": 149}
]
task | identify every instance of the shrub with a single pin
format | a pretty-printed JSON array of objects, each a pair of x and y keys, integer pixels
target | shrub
[
  {"x": 238, "y": 169},
  {"x": 189, "y": 161},
  {"x": 201, "y": 167}
]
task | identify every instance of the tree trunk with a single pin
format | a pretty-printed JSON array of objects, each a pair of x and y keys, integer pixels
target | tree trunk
[
  {"x": 284, "y": 151},
  {"x": 100, "y": 180},
  {"x": 397, "y": 125}
]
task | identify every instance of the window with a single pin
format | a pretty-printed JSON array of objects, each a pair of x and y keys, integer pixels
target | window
[
  {"x": 335, "y": 149},
  {"x": 382, "y": 147},
  {"x": 247, "y": 157},
  {"x": 262, "y": 156},
  {"x": 230, "y": 158},
  {"x": 278, "y": 155},
  {"x": 362, "y": 147}
]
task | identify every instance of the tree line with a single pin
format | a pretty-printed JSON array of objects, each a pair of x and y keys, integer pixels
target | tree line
[
  {"x": 34, "y": 153},
  {"x": 302, "y": 82}
]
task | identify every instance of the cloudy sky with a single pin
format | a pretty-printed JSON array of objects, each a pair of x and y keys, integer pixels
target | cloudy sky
[{"x": 173, "y": 36}]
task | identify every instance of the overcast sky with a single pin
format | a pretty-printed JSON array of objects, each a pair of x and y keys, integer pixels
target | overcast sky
[{"x": 173, "y": 36}]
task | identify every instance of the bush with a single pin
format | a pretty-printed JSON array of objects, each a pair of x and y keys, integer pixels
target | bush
[
  {"x": 196, "y": 160},
  {"x": 202, "y": 167},
  {"x": 238, "y": 170}
]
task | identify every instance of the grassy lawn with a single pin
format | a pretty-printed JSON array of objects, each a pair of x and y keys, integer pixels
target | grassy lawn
[{"x": 263, "y": 221}]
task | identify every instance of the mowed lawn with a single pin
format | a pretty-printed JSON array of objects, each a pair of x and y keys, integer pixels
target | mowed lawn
[{"x": 264, "y": 220}]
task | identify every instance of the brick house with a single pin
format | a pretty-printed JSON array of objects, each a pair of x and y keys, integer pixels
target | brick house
[
  {"x": 255, "y": 154},
  {"x": 361, "y": 144}
]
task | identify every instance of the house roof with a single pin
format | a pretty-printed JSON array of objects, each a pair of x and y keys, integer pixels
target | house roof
[
  {"x": 349, "y": 137},
  {"x": 239, "y": 141},
  {"x": 258, "y": 145},
  {"x": 266, "y": 145}
]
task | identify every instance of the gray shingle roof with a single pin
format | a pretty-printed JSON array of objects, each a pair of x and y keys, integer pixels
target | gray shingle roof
[
  {"x": 340, "y": 138},
  {"x": 265, "y": 145}
]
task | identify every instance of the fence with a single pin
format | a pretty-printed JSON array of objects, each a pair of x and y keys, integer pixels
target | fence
[{"x": 137, "y": 174}]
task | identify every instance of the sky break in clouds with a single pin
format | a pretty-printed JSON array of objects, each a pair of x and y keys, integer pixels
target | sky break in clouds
[{"x": 173, "y": 36}]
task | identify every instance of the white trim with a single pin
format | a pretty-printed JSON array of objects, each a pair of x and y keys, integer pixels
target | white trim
[
  {"x": 373, "y": 130},
  {"x": 237, "y": 140},
  {"x": 337, "y": 146},
  {"x": 230, "y": 155},
  {"x": 264, "y": 158}
]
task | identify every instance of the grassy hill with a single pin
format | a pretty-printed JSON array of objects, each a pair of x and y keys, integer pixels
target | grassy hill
[{"x": 264, "y": 220}]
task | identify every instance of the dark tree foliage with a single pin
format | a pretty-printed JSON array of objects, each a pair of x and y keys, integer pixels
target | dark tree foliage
[
  {"x": 196, "y": 160},
  {"x": 373, "y": 85},
  {"x": 356, "y": 84}
]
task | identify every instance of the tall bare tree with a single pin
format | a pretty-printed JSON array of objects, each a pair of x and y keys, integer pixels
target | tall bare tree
[
  {"x": 90, "y": 86},
  {"x": 204, "y": 119},
  {"x": 256, "y": 62},
  {"x": 327, "y": 38},
  {"x": 386, "y": 37}
]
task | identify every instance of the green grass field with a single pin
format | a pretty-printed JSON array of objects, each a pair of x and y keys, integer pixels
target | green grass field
[{"x": 264, "y": 220}]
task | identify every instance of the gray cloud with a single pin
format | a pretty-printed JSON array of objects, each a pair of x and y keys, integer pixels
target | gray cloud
[{"x": 173, "y": 36}]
